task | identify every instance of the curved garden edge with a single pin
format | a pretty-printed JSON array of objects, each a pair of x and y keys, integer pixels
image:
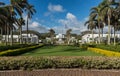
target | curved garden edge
[{"x": 104, "y": 52}]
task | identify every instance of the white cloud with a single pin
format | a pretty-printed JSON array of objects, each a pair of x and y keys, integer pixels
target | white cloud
[
  {"x": 70, "y": 16},
  {"x": 37, "y": 27},
  {"x": 55, "y": 8},
  {"x": 71, "y": 22},
  {"x": 34, "y": 25}
]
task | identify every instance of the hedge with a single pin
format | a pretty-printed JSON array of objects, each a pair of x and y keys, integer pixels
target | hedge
[
  {"x": 36, "y": 63},
  {"x": 19, "y": 51},
  {"x": 115, "y": 48},
  {"x": 8, "y": 47},
  {"x": 104, "y": 52}
]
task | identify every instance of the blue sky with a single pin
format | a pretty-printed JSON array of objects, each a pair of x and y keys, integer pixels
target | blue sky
[{"x": 57, "y": 14}]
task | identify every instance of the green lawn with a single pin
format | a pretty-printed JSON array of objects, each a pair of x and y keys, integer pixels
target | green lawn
[{"x": 60, "y": 51}]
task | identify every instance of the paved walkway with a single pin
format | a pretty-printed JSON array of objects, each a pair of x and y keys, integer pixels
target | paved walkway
[{"x": 62, "y": 72}]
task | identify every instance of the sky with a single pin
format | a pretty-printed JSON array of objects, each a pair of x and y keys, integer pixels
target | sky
[{"x": 60, "y": 15}]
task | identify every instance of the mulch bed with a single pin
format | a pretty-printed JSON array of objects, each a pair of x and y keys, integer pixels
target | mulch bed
[{"x": 62, "y": 72}]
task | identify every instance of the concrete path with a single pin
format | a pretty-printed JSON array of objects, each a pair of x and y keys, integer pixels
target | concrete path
[{"x": 62, "y": 72}]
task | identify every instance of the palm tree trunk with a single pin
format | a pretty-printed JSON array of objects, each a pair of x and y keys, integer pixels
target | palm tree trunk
[
  {"x": 20, "y": 34},
  {"x": 27, "y": 30},
  {"x": 5, "y": 34},
  {"x": 1, "y": 33},
  {"x": 8, "y": 34},
  {"x": 114, "y": 36},
  {"x": 92, "y": 37},
  {"x": 102, "y": 35},
  {"x": 109, "y": 30},
  {"x": 99, "y": 40},
  {"x": 11, "y": 32}
]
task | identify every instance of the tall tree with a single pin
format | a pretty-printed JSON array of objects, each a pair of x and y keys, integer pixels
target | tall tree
[
  {"x": 52, "y": 34},
  {"x": 20, "y": 23},
  {"x": 30, "y": 11},
  {"x": 108, "y": 9},
  {"x": 91, "y": 24},
  {"x": 115, "y": 21},
  {"x": 68, "y": 34},
  {"x": 96, "y": 13}
]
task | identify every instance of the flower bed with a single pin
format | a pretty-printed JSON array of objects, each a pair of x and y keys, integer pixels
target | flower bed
[
  {"x": 104, "y": 52},
  {"x": 36, "y": 63}
]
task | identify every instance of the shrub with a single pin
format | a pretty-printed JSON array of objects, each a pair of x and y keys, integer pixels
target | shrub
[
  {"x": 76, "y": 44},
  {"x": 8, "y": 47},
  {"x": 92, "y": 45},
  {"x": 84, "y": 46},
  {"x": 109, "y": 47},
  {"x": 16, "y": 52},
  {"x": 105, "y": 52},
  {"x": 36, "y": 63}
]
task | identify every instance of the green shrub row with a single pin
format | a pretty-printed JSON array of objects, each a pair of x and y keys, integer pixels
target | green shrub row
[
  {"x": 19, "y": 51},
  {"x": 36, "y": 63},
  {"x": 109, "y": 47},
  {"x": 102, "y": 46},
  {"x": 8, "y": 47}
]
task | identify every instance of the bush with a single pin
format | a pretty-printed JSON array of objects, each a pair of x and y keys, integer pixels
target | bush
[
  {"x": 36, "y": 63},
  {"x": 92, "y": 45},
  {"x": 115, "y": 48},
  {"x": 8, "y": 47},
  {"x": 16, "y": 52},
  {"x": 84, "y": 46},
  {"x": 104, "y": 52},
  {"x": 76, "y": 44}
]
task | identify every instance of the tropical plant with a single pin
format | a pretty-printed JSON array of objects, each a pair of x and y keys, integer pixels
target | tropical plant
[
  {"x": 52, "y": 34},
  {"x": 96, "y": 14},
  {"x": 68, "y": 34},
  {"x": 11, "y": 16},
  {"x": 108, "y": 10},
  {"x": 91, "y": 24},
  {"x": 30, "y": 11}
]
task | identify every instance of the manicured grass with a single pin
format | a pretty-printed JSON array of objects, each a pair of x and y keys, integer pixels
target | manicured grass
[{"x": 60, "y": 51}]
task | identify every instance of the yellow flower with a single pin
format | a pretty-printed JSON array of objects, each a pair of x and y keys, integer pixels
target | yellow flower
[{"x": 104, "y": 52}]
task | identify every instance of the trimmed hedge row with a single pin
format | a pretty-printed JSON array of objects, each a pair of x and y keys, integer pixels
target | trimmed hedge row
[
  {"x": 115, "y": 48},
  {"x": 19, "y": 51},
  {"x": 36, "y": 63},
  {"x": 8, "y": 47},
  {"x": 105, "y": 52}
]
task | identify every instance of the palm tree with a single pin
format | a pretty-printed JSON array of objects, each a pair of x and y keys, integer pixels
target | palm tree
[
  {"x": 9, "y": 15},
  {"x": 108, "y": 8},
  {"x": 52, "y": 33},
  {"x": 115, "y": 21},
  {"x": 30, "y": 11},
  {"x": 4, "y": 14},
  {"x": 96, "y": 14},
  {"x": 19, "y": 6},
  {"x": 20, "y": 22},
  {"x": 16, "y": 7},
  {"x": 68, "y": 34},
  {"x": 2, "y": 3},
  {"x": 91, "y": 24}
]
